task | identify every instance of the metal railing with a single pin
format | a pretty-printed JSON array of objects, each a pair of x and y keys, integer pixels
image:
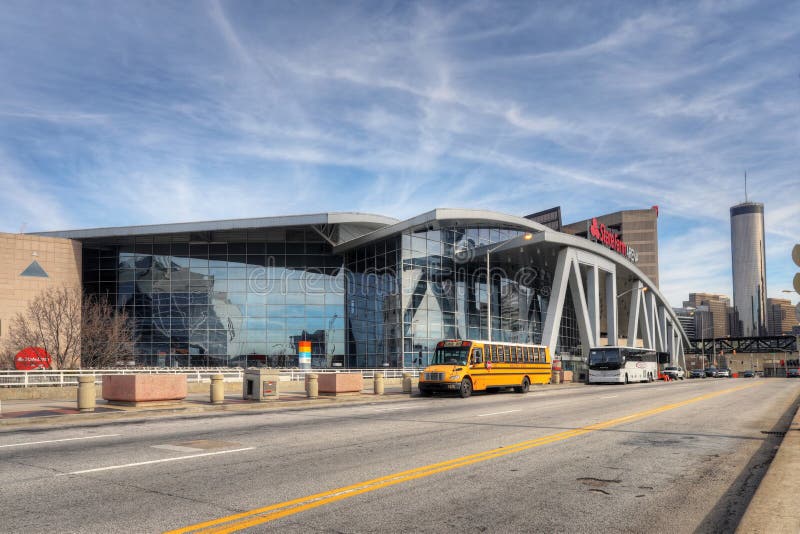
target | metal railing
[{"x": 69, "y": 377}]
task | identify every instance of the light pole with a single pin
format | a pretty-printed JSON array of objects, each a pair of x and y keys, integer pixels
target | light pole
[{"x": 526, "y": 237}]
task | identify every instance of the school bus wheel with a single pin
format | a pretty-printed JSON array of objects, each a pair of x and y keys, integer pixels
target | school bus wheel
[
  {"x": 466, "y": 388},
  {"x": 526, "y": 385}
]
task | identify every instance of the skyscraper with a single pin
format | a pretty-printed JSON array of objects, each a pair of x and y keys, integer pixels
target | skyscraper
[{"x": 749, "y": 267}]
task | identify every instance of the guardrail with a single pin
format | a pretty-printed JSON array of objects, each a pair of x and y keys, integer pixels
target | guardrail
[{"x": 69, "y": 377}]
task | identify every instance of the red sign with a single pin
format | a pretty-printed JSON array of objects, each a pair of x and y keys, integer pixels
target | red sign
[
  {"x": 600, "y": 233},
  {"x": 31, "y": 358}
]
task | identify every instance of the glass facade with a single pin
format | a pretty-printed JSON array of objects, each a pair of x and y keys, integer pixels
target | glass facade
[
  {"x": 412, "y": 290},
  {"x": 233, "y": 298},
  {"x": 243, "y": 298}
]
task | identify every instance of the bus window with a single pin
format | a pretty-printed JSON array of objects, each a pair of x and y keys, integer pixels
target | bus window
[
  {"x": 477, "y": 356},
  {"x": 500, "y": 353},
  {"x": 538, "y": 351}
]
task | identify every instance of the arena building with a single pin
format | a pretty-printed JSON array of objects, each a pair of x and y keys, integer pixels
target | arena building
[{"x": 368, "y": 290}]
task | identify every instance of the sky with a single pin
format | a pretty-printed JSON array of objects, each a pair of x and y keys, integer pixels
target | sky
[{"x": 137, "y": 112}]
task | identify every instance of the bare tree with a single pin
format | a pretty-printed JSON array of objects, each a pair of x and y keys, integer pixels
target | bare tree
[
  {"x": 75, "y": 331},
  {"x": 107, "y": 336},
  {"x": 53, "y": 322},
  {"x": 6, "y": 358}
]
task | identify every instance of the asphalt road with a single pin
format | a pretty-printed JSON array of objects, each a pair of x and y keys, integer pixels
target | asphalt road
[{"x": 662, "y": 457}]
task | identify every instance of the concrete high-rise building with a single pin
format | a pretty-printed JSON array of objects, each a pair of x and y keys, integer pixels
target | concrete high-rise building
[
  {"x": 686, "y": 318},
  {"x": 780, "y": 317},
  {"x": 715, "y": 320},
  {"x": 749, "y": 267},
  {"x": 734, "y": 324},
  {"x": 637, "y": 230}
]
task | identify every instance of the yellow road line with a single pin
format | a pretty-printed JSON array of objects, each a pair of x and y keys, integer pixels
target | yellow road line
[{"x": 262, "y": 515}]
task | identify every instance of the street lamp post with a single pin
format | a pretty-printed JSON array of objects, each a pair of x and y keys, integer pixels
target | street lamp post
[{"x": 526, "y": 237}]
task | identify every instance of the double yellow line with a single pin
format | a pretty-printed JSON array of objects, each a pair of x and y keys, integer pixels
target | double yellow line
[{"x": 272, "y": 512}]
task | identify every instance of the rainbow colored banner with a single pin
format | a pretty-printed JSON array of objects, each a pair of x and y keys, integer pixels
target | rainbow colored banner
[{"x": 304, "y": 354}]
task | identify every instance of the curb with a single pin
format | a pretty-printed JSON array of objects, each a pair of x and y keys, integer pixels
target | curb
[{"x": 775, "y": 507}]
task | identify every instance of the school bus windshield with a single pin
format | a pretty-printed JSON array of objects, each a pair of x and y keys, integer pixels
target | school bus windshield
[{"x": 450, "y": 356}]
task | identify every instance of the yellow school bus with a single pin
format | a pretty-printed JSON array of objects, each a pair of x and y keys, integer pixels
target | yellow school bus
[{"x": 465, "y": 366}]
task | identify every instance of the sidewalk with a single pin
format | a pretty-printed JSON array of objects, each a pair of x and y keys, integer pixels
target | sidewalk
[
  {"x": 16, "y": 413},
  {"x": 775, "y": 507}
]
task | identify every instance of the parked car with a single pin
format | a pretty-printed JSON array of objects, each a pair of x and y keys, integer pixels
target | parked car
[
  {"x": 711, "y": 372},
  {"x": 748, "y": 374},
  {"x": 793, "y": 373},
  {"x": 697, "y": 373},
  {"x": 674, "y": 372},
  {"x": 723, "y": 373}
]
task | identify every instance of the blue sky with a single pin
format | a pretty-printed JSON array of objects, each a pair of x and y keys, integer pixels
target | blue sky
[{"x": 119, "y": 113}]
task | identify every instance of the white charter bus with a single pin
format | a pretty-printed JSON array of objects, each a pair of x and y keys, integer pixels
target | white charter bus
[{"x": 620, "y": 365}]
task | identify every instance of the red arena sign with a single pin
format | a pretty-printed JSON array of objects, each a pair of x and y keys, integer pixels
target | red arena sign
[
  {"x": 600, "y": 233},
  {"x": 31, "y": 358}
]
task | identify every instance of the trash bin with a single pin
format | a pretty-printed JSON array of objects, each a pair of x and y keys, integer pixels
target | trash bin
[{"x": 260, "y": 385}]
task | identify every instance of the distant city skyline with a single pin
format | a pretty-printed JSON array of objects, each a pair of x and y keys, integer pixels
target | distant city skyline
[{"x": 120, "y": 113}]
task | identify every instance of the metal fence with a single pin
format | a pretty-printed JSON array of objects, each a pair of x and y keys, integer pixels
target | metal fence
[{"x": 69, "y": 377}]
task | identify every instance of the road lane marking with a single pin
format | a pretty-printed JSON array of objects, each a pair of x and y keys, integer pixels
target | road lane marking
[
  {"x": 59, "y": 440},
  {"x": 496, "y": 413},
  {"x": 272, "y": 512},
  {"x": 610, "y": 397},
  {"x": 137, "y": 464}
]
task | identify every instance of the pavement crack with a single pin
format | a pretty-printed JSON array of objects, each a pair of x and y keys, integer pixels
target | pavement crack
[{"x": 597, "y": 482}]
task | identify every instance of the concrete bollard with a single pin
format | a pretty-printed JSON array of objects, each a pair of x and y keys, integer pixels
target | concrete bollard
[
  {"x": 312, "y": 386},
  {"x": 217, "y": 389},
  {"x": 407, "y": 382},
  {"x": 86, "y": 400},
  {"x": 377, "y": 384}
]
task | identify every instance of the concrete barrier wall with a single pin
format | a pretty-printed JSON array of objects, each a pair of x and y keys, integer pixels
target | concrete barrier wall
[{"x": 144, "y": 388}]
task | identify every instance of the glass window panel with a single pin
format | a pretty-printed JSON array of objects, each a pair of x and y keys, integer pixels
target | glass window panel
[
  {"x": 237, "y": 248},
  {"x": 237, "y": 273},
  {"x": 295, "y": 298},
  {"x": 198, "y": 251},
  {"x": 276, "y": 248},
  {"x": 256, "y": 248},
  {"x": 295, "y": 310},
  {"x": 296, "y": 261},
  {"x": 295, "y": 325},
  {"x": 314, "y": 310}
]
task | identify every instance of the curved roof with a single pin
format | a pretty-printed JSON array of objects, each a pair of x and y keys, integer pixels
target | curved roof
[
  {"x": 434, "y": 218},
  {"x": 622, "y": 263},
  {"x": 368, "y": 220}
]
